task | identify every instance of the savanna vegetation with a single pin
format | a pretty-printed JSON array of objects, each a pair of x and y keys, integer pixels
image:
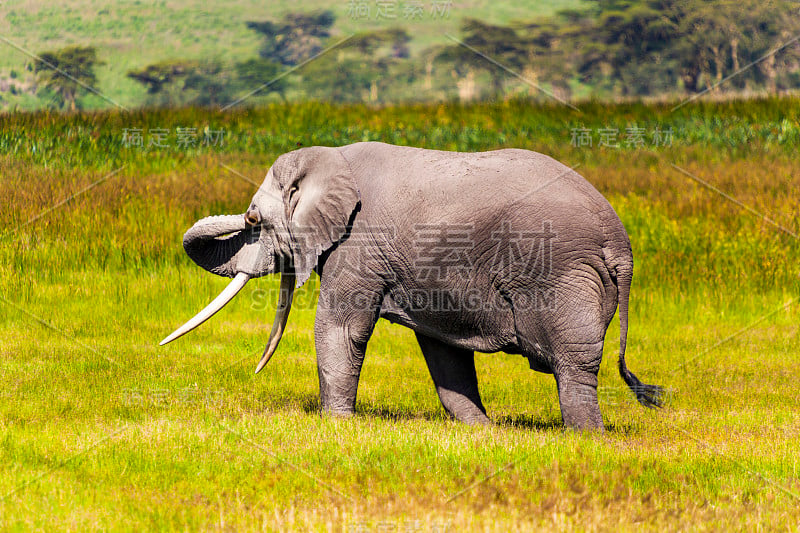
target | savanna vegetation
[
  {"x": 394, "y": 51},
  {"x": 101, "y": 429},
  {"x": 131, "y": 35}
]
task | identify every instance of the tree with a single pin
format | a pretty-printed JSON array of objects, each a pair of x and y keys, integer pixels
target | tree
[
  {"x": 206, "y": 83},
  {"x": 259, "y": 74},
  {"x": 67, "y": 72},
  {"x": 495, "y": 46},
  {"x": 299, "y": 37},
  {"x": 159, "y": 75},
  {"x": 637, "y": 47},
  {"x": 210, "y": 83},
  {"x": 166, "y": 80},
  {"x": 363, "y": 69},
  {"x": 627, "y": 46}
]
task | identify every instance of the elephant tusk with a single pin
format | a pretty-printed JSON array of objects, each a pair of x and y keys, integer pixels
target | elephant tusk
[
  {"x": 218, "y": 303},
  {"x": 281, "y": 316}
]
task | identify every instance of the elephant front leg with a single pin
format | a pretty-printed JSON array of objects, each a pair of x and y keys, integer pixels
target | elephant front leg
[
  {"x": 340, "y": 346},
  {"x": 453, "y": 373}
]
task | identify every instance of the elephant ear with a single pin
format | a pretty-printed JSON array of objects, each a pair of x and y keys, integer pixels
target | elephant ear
[{"x": 319, "y": 197}]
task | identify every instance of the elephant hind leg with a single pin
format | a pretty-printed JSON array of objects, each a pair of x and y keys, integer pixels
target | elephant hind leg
[
  {"x": 568, "y": 342},
  {"x": 453, "y": 373},
  {"x": 577, "y": 396}
]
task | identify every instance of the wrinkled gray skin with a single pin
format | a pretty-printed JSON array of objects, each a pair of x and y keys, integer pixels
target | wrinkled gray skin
[{"x": 545, "y": 263}]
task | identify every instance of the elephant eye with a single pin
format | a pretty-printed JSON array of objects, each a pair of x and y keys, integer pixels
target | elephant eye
[{"x": 252, "y": 218}]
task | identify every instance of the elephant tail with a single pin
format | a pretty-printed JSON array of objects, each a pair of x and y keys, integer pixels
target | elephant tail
[{"x": 648, "y": 395}]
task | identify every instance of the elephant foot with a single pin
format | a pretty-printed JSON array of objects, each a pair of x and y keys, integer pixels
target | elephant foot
[
  {"x": 453, "y": 373},
  {"x": 338, "y": 412},
  {"x": 577, "y": 395},
  {"x": 463, "y": 410}
]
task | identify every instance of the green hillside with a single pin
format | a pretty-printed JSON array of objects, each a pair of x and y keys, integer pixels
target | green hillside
[{"x": 131, "y": 34}]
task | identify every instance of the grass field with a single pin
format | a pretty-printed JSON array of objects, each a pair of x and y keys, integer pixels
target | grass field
[{"x": 100, "y": 429}]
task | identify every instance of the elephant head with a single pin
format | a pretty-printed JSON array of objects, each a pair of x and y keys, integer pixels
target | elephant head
[{"x": 302, "y": 209}]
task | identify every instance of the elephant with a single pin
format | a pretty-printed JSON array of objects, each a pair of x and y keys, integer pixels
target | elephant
[{"x": 498, "y": 251}]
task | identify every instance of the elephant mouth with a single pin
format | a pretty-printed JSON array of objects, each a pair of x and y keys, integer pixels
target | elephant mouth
[{"x": 228, "y": 246}]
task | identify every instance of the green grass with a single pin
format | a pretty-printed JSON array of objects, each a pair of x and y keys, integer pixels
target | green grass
[{"x": 102, "y": 429}]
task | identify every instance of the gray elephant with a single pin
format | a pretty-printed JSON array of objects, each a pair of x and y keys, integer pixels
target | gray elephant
[{"x": 507, "y": 250}]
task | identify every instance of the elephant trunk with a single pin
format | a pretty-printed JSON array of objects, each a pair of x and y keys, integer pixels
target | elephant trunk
[
  {"x": 228, "y": 246},
  {"x": 225, "y": 245}
]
